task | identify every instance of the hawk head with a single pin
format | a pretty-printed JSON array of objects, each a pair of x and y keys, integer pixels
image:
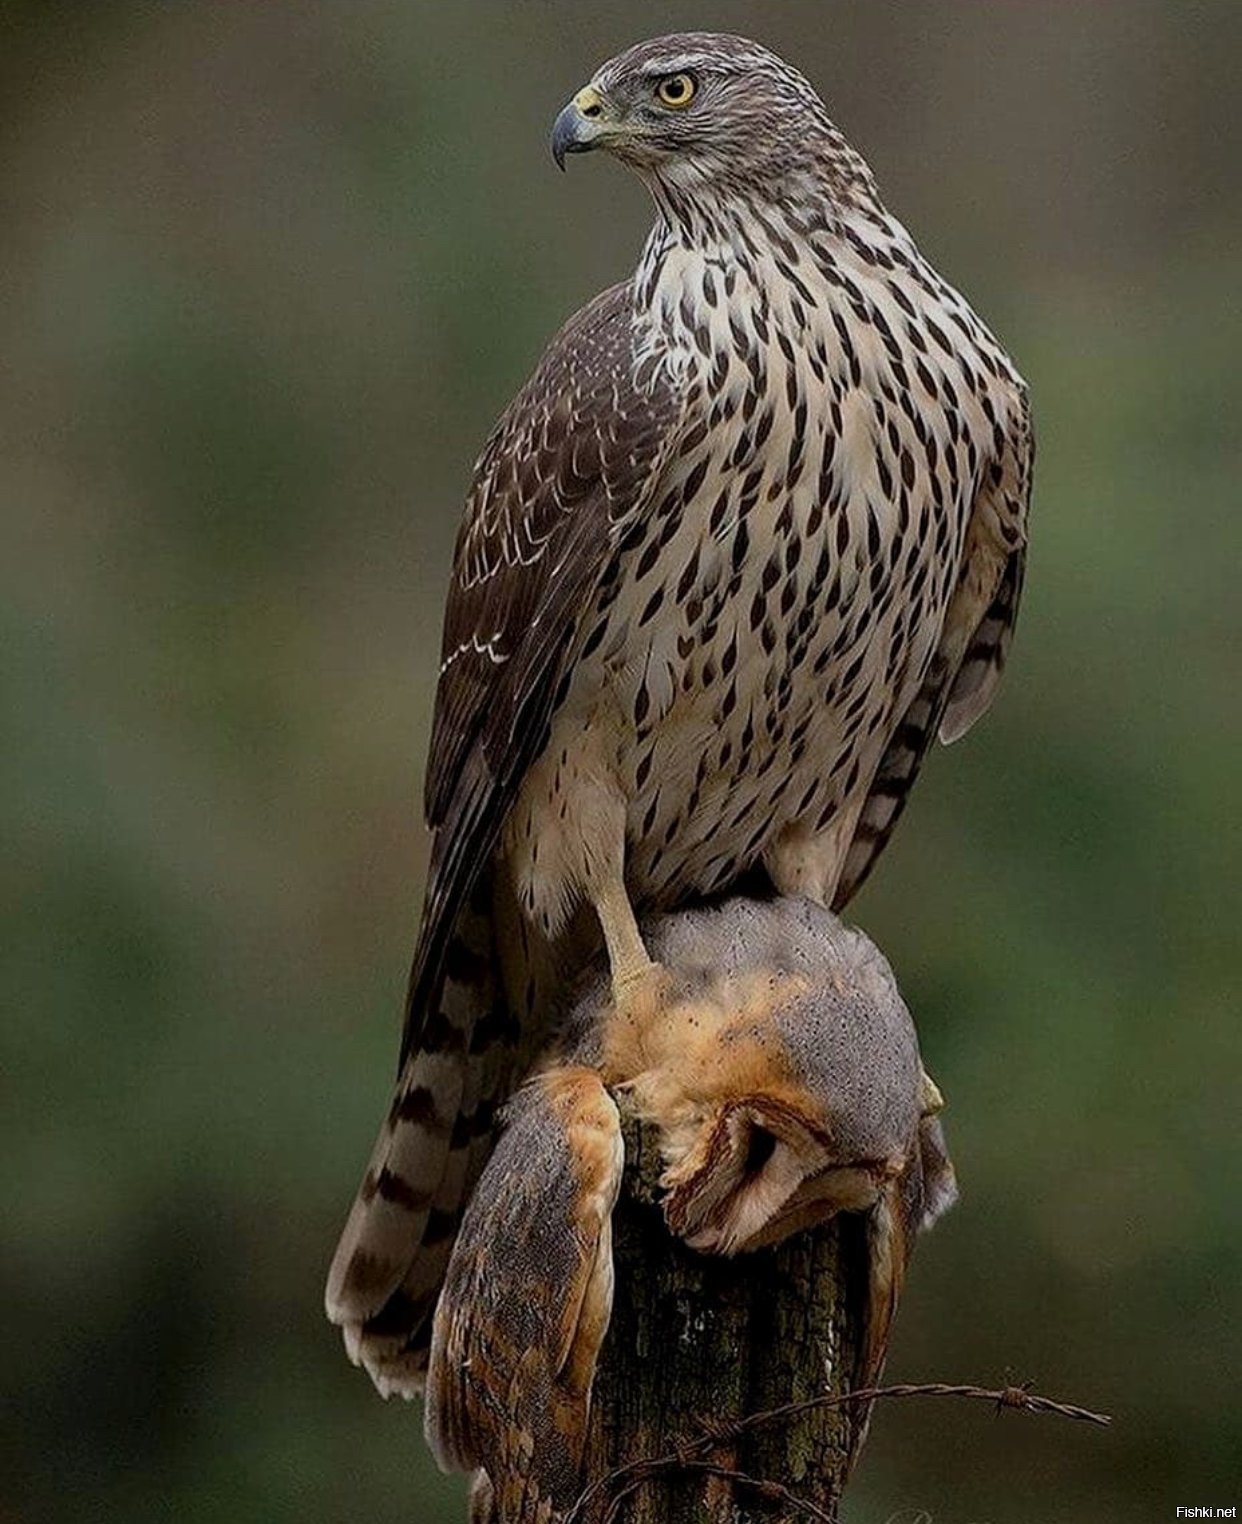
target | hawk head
[{"x": 692, "y": 106}]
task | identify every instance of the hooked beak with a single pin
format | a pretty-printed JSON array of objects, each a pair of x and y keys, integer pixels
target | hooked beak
[{"x": 579, "y": 126}]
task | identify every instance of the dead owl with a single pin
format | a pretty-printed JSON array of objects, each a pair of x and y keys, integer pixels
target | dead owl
[{"x": 781, "y": 1070}]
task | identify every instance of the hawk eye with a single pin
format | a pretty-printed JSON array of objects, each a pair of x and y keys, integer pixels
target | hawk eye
[{"x": 676, "y": 90}]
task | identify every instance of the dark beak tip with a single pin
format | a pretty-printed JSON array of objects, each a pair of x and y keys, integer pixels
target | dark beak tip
[{"x": 565, "y": 139}]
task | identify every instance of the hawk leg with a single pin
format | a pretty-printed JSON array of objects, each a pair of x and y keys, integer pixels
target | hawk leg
[
  {"x": 628, "y": 958},
  {"x": 565, "y": 843},
  {"x": 642, "y": 989},
  {"x": 638, "y": 982}
]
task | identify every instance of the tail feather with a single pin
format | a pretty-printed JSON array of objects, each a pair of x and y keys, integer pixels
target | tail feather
[
  {"x": 394, "y": 1250},
  {"x": 399, "y": 1188}
]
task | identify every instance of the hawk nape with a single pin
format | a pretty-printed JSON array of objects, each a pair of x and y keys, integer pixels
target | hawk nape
[{"x": 751, "y": 534}]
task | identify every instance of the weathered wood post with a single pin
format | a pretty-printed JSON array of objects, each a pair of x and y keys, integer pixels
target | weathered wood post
[{"x": 695, "y": 1336}]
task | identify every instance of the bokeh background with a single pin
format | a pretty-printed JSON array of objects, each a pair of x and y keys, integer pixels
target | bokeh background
[{"x": 267, "y": 273}]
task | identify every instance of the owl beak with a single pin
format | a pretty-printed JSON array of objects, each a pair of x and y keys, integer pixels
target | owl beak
[{"x": 580, "y": 126}]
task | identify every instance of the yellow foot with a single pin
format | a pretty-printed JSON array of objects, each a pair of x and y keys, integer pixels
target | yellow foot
[
  {"x": 641, "y": 994},
  {"x": 639, "y": 988},
  {"x": 642, "y": 998}
]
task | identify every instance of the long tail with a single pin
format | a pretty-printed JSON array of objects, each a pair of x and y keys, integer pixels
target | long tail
[{"x": 394, "y": 1250}]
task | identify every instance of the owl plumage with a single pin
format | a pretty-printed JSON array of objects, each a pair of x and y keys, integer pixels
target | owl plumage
[
  {"x": 526, "y": 1300},
  {"x": 780, "y": 1070}
]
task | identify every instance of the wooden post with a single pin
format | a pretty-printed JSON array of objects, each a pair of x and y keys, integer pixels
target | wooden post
[{"x": 695, "y": 1336}]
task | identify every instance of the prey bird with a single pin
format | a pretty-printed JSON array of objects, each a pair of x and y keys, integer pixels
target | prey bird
[
  {"x": 781, "y": 1077},
  {"x": 750, "y": 536}
]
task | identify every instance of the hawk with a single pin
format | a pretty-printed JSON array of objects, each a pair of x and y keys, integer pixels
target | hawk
[
  {"x": 750, "y": 536},
  {"x": 783, "y": 1080}
]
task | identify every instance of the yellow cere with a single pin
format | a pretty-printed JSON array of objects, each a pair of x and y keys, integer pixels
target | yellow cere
[{"x": 589, "y": 101}]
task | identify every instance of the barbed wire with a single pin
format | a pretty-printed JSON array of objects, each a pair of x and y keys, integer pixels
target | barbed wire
[{"x": 694, "y": 1454}]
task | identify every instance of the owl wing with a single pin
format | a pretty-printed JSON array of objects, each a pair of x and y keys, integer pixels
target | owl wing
[
  {"x": 571, "y": 463},
  {"x": 912, "y": 1203},
  {"x": 965, "y": 670},
  {"x": 527, "y": 1298}
]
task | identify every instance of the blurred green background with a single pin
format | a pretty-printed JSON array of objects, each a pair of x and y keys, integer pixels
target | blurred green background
[{"x": 268, "y": 272}]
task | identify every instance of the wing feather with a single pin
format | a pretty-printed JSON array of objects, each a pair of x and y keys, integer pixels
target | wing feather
[
  {"x": 571, "y": 462},
  {"x": 528, "y": 1296},
  {"x": 963, "y": 675},
  {"x": 1006, "y": 501}
]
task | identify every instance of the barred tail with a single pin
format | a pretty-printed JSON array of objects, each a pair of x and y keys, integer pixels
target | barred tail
[{"x": 394, "y": 1250}]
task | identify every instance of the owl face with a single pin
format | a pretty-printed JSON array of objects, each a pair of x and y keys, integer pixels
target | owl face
[
  {"x": 759, "y": 1170},
  {"x": 780, "y": 1099}
]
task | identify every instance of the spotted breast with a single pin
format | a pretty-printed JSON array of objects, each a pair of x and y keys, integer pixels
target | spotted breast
[{"x": 763, "y": 632}]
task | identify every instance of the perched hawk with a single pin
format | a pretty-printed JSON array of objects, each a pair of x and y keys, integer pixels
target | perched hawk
[{"x": 751, "y": 534}]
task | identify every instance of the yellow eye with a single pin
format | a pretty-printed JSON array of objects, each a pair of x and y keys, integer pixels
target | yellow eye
[{"x": 677, "y": 90}]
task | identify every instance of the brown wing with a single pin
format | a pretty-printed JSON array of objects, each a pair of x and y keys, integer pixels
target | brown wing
[
  {"x": 527, "y": 1297},
  {"x": 962, "y": 678},
  {"x": 567, "y": 468}
]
